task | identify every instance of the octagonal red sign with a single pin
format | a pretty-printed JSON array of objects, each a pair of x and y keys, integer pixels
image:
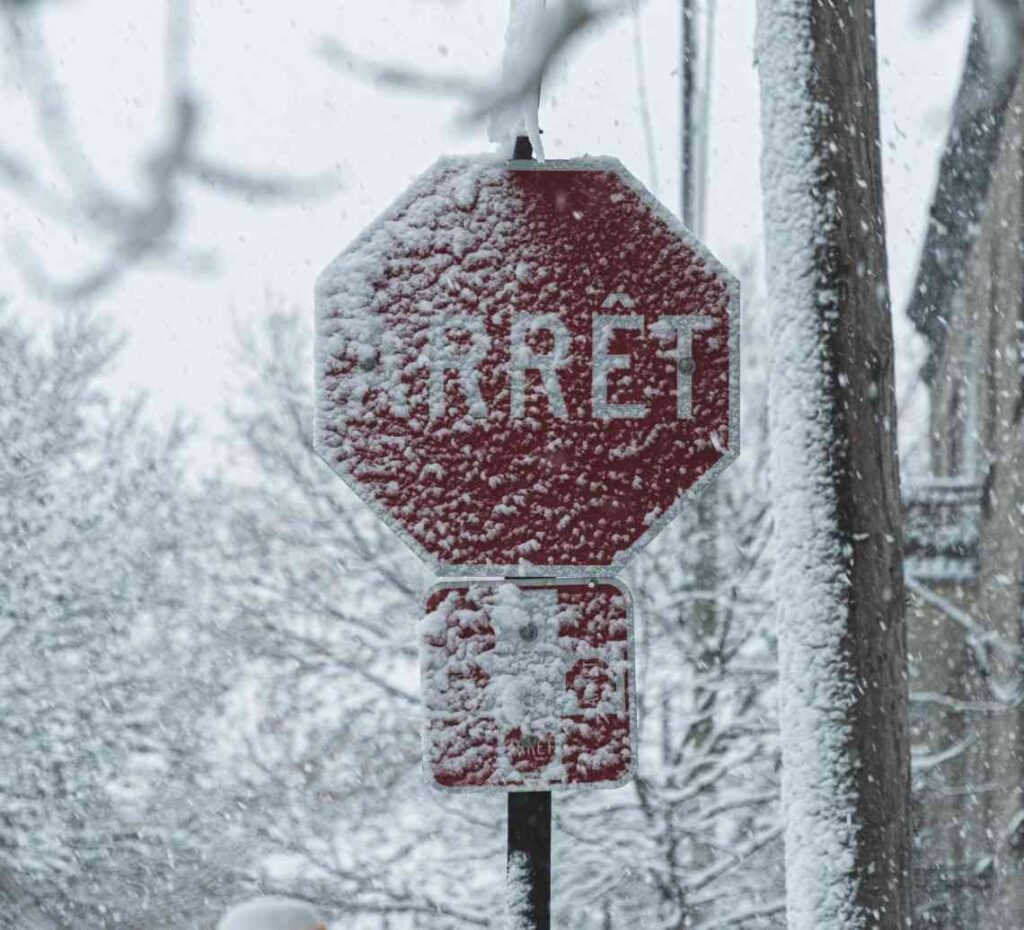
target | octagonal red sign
[{"x": 524, "y": 368}]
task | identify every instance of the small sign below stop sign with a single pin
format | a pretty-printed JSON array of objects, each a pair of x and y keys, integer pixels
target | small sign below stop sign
[{"x": 528, "y": 686}]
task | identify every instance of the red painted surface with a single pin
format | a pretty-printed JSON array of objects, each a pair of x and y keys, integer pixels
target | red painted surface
[
  {"x": 578, "y": 668},
  {"x": 489, "y": 242}
]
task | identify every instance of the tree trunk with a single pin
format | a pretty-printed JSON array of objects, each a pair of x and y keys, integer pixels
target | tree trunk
[{"x": 838, "y": 575}]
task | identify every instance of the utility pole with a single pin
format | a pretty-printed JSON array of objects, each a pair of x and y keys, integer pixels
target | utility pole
[
  {"x": 838, "y": 574},
  {"x": 695, "y": 59},
  {"x": 694, "y": 88},
  {"x": 688, "y": 172}
]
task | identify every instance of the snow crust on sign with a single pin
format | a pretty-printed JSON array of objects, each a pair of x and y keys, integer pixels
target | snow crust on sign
[
  {"x": 478, "y": 457},
  {"x": 817, "y": 787},
  {"x": 527, "y": 686}
]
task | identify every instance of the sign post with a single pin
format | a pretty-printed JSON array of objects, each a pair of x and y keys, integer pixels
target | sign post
[
  {"x": 525, "y": 369},
  {"x": 529, "y": 853}
]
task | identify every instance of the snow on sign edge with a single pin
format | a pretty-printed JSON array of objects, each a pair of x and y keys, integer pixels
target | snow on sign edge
[
  {"x": 585, "y": 579},
  {"x": 660, "y": 212}
]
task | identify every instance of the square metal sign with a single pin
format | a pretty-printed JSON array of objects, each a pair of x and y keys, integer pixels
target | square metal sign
[{"x": 528, "y": 686}]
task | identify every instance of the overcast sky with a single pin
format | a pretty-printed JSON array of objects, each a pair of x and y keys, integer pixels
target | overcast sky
[{"x": 270, "y": 103}]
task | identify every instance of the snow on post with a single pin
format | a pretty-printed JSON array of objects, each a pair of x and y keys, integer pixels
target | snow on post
[{"x": 838, "y": 572}]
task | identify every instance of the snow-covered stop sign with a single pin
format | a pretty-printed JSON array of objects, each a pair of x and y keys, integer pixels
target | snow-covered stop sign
[{"x": 524, "y": 368}]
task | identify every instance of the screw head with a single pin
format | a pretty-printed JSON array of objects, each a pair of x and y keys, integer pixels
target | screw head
[{"x": 528, "y": 632}]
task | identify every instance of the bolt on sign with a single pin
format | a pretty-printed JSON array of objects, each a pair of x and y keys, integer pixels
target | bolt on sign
[
  {"x": 528, "y": 685},
  {"x": 524, "y": 368}
]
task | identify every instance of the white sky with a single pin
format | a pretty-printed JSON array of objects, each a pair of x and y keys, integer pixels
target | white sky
[{"x": 271, "y": 104}]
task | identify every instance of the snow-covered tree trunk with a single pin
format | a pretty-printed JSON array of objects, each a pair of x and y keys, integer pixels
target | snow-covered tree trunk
[{"x": 838, "y": 561}]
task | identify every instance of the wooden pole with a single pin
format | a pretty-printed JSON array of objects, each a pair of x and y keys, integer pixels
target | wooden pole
[{"x": 835, "y": 475}]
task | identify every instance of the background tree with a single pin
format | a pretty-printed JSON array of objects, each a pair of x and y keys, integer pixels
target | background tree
[
  {"x": 67, "y": 187},
  {"x": 323, "y": 728},
  {"x": 103, "y": 815}
]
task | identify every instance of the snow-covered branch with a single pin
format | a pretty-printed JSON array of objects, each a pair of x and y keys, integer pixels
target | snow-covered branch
[{"x": 538, "y": 35}]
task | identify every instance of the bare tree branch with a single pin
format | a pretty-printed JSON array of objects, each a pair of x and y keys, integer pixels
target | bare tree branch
[
  {"x": 127, "y": 230},
  {"x": 560, "y": 25}
]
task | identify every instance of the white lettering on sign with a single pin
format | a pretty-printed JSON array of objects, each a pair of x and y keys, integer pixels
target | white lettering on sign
[
  {"x": 464, "y": 359},
  {"x": 618, "y": 299},
  {"x": 604, "y": 362},
  {"x": 684, "y": 328},
  {"x": 460, "y": 344},
  {"x": 525, "y": 359}
]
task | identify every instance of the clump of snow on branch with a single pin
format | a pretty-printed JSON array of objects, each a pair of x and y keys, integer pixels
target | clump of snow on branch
[
  {"x": 812, "y": 588},
  {"x": 521, "y": 69},
  {"x": 537, "y": 35},
  {"x": 271, "y": 913}
]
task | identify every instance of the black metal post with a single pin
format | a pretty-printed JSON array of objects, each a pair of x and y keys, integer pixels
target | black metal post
[
  {"x": 523, "y": 149},
  {"x": 529, "y": 851}
]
